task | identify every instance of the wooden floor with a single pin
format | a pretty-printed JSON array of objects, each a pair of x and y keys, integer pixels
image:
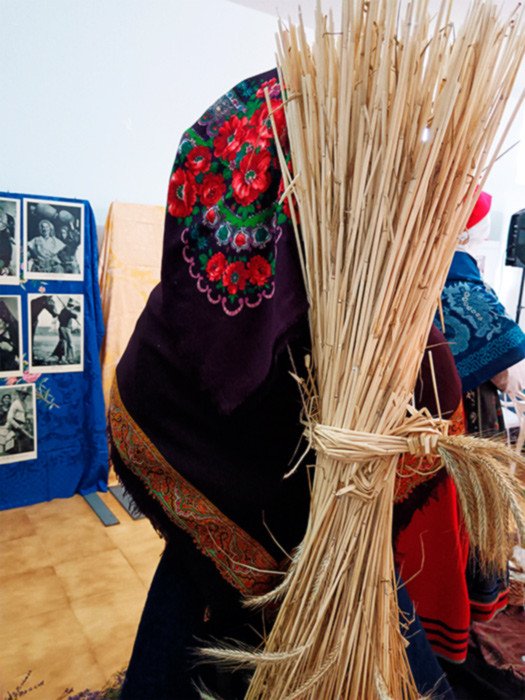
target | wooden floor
[{"x": 71, "y": 594}]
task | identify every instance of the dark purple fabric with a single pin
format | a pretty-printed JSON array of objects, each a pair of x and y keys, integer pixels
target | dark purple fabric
[
  {"x": 206, "y": 374},
  {"x": 236, "y": 460},
  {"x": 231, "y": 355}
]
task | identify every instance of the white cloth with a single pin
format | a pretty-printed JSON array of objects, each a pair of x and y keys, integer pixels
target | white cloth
[
  {"x": 512, "y": 379},
  {"x": 471, "y": 240},
  {"x": 16, "y": 416}
]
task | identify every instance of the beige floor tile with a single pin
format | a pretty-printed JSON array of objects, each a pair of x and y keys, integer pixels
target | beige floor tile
[
  {"x": 107, "y": 617},
  {"x": 25, "y": 595},
  {"x": 23, "y": 554},
  {"x": 114, "y": 657},
  {"x": 60, "y": 509},
  {"x": 72, "y": 612},
  {"x": 95, "y": 574},
  {"x": 141, "y": 546},
  {"x": 54, "y": 647},
  {"x": 14, "y": 524},
  {"x": 67, "y": 541},
  {"x": 129, "y": 533},
  {"x": 47, "y": 632},
  {"x": 110, "y": 622},
  {"x": 144, "y": 557}
]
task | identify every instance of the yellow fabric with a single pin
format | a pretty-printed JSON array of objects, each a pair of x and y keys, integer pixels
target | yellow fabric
[{"x": 129, "y": 268}]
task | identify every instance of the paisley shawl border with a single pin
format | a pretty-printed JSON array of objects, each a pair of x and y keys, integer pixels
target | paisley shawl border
[{"x": 240, "y": 559}]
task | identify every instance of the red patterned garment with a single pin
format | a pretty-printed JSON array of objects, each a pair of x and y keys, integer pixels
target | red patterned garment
[
  {"x": 432, "y": 555},
  {"x": 430, "y": 544}
]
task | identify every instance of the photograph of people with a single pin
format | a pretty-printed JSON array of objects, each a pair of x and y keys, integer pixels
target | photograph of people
[
  {"x": 17, "y": 423},
  {"x": 53, "y": 241},
  {"x": 43, "y": 250},
  {"x": 9, "y": 240},
  {"x": 5, "y": 404},
  {"x": 70, "y": 238},
  {"x": 10, "y": 337},
  {"x": 56, "y": 332}
]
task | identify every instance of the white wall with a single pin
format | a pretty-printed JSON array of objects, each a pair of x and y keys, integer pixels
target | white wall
[
  {"x": 508, "y": 193},
  {"x": 95, "y": 94},
  {"x": 285, "y": 8}
]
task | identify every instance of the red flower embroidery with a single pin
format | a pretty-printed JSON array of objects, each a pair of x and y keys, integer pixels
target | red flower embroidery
[
  {"x": 212, "y": 189},
  {"x": 182, "y": 193},
  {"x": 234, "y": 277},
  {"x": 259, "y": 270},
  {"x": 199, "y": 159},
  {"x": 263, "y": 124},
  {"x": 252, "y": 178},
  {"x": 216, "y": 266},
  {"x": 230, "y": 138},
  {"x": 274, "y": 89}
]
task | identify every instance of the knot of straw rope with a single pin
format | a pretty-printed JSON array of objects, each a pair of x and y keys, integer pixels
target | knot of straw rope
[
  {"x": 419, "y": 435},
  {"x": 423, "y": 443}
]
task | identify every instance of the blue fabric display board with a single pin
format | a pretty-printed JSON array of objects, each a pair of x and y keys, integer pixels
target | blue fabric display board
[{"x": 52, "y": 416}]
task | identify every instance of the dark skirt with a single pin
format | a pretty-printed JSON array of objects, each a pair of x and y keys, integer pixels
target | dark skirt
[{"x": 190, "y": 605}]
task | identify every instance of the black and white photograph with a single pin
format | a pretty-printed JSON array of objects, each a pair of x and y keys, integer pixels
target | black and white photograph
[
  {"x": 56, "y": 332},
  {"x": 18, "y": 439},
  {"x": 53, "y": 240},
  {"x": 9, "y": 241},
  {"x": 11, "y": 349}
]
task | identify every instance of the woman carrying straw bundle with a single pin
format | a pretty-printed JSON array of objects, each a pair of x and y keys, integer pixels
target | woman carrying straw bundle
[{"x": 205, "y": 417}]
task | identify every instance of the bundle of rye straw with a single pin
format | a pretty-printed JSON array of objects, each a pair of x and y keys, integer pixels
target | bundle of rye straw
[{"x": 392, "y": 120}]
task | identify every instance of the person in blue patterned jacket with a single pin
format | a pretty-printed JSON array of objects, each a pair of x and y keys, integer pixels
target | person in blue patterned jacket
[{"x": 489, "y": 351}]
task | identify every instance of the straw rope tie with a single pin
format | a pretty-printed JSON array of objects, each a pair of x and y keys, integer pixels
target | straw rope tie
[
  {"x": 352, "y": 446},
  {"x": 423, "y": 444},
  {"x": 370, "y": 452}
]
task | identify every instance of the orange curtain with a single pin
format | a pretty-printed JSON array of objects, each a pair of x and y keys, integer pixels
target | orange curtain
[{"x": 129, "y": 268}]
